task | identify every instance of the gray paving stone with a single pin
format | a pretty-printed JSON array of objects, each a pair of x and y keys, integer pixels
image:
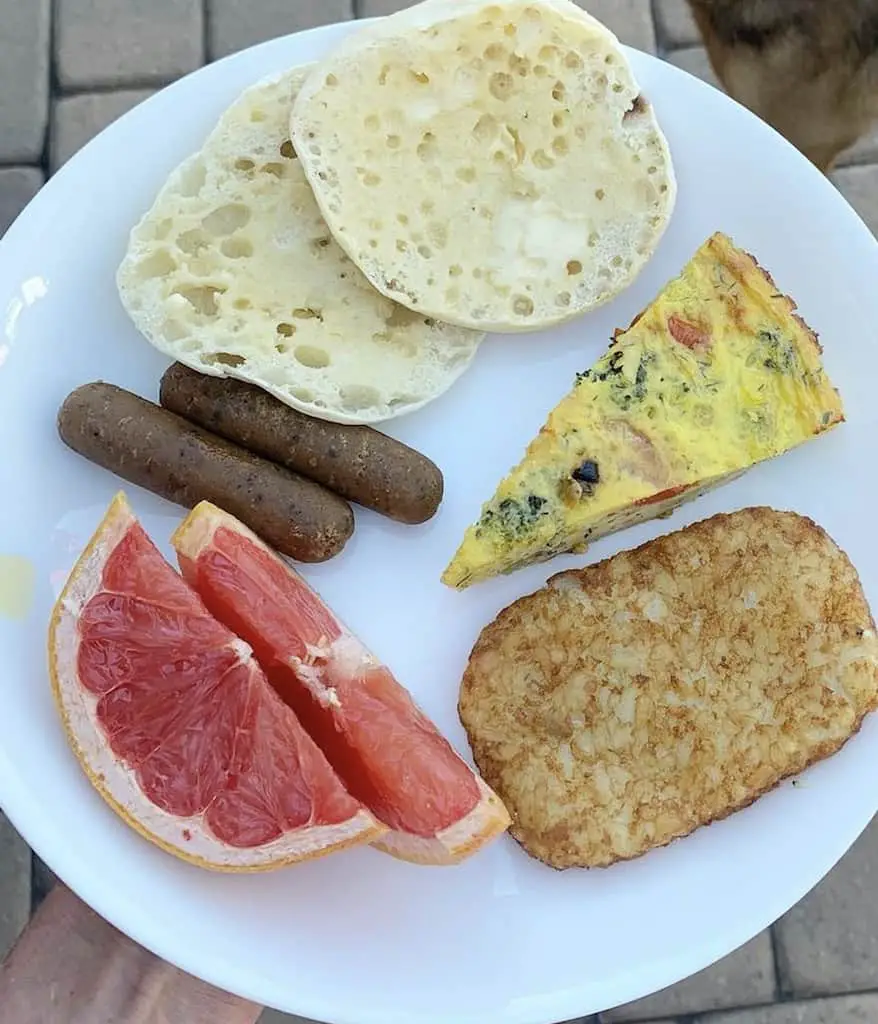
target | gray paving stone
[
  {"x": 828, "y": 943},
  {"x": 126, "y": 42},
  {"x": 14, "y": 885},
  {"x": 859, "y": 185},
  {"x": 76, "y": 119},
  {"x": 235, "y": 24},
  {"x": 864, "y": 151},
  {"x": 631, "y": 20},
  {"x": 18, "y": 185},
  {"x": 695, "y": 61},
  {"x": 276, "y": 1017},
  {"x": 24, "y": 79},
  {"x": 841, "y": 1010},
  {"x": 42, "y": 882},
  {"x": 744, "y": 978},
  {"x": 376, "y": 8},
  {"x": 675, "y": 26}
]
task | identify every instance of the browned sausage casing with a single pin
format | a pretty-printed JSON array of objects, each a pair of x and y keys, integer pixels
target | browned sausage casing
[
  {"x": 357, "y": 462},
  {"x": 155, "y": 449}
]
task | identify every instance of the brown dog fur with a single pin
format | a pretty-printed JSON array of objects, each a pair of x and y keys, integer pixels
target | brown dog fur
[{"x": 807, "y": 67}]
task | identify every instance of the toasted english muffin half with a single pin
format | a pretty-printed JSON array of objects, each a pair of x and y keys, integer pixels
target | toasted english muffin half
[
  {"x": 491, "y": 163},
  {"x": 233, "y": 272}
]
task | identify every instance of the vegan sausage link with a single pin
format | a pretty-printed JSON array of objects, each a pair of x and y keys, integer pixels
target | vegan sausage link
[
  {"x": 357, "y": 462},
  {"x": 153, "y": 448}
]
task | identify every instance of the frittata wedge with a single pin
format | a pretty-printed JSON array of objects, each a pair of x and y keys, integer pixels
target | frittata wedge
[{"x": 716, "y": 375}]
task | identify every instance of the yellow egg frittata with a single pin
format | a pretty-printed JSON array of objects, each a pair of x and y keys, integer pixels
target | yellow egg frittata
[{"x": 716, "y": 375}]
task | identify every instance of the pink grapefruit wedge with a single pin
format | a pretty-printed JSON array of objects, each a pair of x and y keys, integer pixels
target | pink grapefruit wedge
[
  {"x": 384, "y": 749},
  {"x": 175, "y": 723}
]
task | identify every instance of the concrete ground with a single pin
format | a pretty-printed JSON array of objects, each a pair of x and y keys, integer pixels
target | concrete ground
[{"x": 66, "y": 71}]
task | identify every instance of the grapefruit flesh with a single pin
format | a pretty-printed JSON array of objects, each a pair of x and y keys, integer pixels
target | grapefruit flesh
[
  {"x": 386, "y": 751},
  {"x": 175, "y": 723}
]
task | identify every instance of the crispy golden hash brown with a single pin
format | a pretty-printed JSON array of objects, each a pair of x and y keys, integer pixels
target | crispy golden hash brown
[{"x": 626, "y": 704}]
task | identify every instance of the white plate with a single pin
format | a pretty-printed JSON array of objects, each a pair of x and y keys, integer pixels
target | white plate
[{"x": 360, "y": 938}]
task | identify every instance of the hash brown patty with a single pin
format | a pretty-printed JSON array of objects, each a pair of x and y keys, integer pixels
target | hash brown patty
[{"x": 626, "y": 704}]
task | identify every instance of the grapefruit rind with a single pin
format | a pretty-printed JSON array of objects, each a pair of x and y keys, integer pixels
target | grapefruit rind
[
  {"x": 487, "y": 819},
  {"x": 116, "y": 783}
]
